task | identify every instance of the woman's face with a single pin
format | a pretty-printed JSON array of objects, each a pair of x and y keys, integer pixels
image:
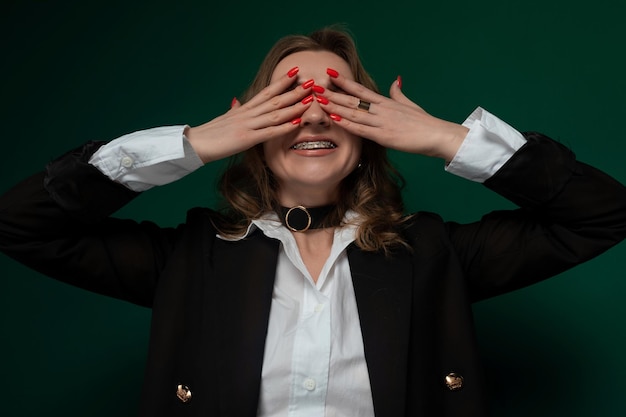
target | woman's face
[{"x": 307, "y": 176}]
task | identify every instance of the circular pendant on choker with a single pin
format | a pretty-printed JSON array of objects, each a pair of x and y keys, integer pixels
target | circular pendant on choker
[
  {"x": 301, "y": 219},
  {"x": 298, "y": 219}
]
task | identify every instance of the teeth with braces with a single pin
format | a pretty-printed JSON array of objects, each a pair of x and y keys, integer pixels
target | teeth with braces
[{"x": 320, "y": 144}]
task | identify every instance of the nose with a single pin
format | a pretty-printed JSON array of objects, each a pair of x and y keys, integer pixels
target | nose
[{"x": 315, "y": 115}]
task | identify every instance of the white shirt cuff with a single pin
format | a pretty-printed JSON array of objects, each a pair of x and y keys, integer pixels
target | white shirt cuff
[
  {"x": 488, "y": 145},
  {"x": 144, "y": 159}
]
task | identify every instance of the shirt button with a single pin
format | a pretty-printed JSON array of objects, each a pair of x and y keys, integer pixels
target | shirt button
[
  {"x": 127, "y": 162},
  {"x": 309, "y": 384},
  {"x": 318, "y": 308}
]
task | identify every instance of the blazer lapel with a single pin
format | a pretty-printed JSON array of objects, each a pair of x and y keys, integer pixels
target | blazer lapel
[
  {"x": 246, "y": 269},
  {"x": 383, "y": 288}
]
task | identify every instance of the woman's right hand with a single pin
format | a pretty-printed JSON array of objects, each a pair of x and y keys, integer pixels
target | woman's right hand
[{"x": 269, "y": 114}]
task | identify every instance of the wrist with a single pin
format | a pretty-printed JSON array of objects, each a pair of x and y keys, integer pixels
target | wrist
[
  {"x": 452, "y": 139},
  {"x": 193, "y": 135}
]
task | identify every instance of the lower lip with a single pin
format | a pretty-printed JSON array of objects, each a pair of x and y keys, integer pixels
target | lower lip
[{"x": 313, "y": 152}]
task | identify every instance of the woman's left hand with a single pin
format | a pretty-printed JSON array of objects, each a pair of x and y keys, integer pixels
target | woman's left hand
[{"x": 394, "y": 122}]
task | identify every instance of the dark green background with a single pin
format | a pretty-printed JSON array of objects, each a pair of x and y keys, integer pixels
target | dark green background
[{"x": 81, "y": 71}]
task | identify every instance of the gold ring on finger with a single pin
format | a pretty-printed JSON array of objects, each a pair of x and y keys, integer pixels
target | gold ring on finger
[{"x": 363, "y": 105}]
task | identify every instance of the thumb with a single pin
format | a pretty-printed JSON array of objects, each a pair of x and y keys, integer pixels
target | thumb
[
  {"x": 395, "y": 92},
  {"x": 234, "y": 103}
]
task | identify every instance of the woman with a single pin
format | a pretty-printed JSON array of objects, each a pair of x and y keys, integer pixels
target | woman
[{"x": 311, "y": 293}]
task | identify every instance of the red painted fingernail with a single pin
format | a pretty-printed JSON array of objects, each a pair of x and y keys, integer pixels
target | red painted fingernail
[
  {"x": 322, "y": 100},
  {"x": 335, "y": 117},
  {"x": 332, "y": 72},
  {"x": 233, "y": 102},
  {"x": 296, "y": 121},
  {"x": 307, "y": 99},
  {"x": 318, "y": 89},
  {"x": 308, "y": 84},
  {"x": 399, "y": 81},
  {"x": 292, "y": 72}
]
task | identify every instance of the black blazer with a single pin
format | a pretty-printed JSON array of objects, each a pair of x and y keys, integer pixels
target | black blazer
[{"x": 211, "y": 298}]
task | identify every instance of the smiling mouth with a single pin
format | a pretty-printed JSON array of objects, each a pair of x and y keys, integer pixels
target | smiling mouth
[{"x": 318, "y": 144}]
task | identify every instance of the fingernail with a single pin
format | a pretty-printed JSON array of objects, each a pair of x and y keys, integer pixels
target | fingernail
[
  {"x": 335, "y": 117},
  {"x": 399, "y": 81},
  {"x": 308, "y": 84},
  {"x": 293, "y": 72},
  {"x": 296, "y": 121},
  {"x": 307, "y": 99},
  {"x": 233, "y": 102},
  {"x": 318, "y": 89},
  {"x": 332, "y": 72},
  {"x": 322, "y": 99}
]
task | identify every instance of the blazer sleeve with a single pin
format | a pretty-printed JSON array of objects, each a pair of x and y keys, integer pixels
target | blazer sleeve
[
  {"x": 58, "y": 223},
  {"x": 569, "y": 212}
]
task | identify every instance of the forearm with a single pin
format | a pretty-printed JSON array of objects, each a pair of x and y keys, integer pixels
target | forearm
[
  {"x": 489, "y": 144},
  {"x": 57, "y": 222},
  {"x": 70, "y": 194},
  {"x": 570, "y": 212},
  {"x": 147, "y": 158}
]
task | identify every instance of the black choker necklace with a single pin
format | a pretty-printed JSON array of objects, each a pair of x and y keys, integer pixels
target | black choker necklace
[{"x": 301, "y": 219}]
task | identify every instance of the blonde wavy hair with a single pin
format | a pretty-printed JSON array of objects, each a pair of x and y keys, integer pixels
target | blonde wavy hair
[{"x": 373, "y": 190}]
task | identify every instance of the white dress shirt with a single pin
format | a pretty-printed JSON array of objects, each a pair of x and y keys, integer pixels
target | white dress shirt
[{"x": 314, "y": 363}]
